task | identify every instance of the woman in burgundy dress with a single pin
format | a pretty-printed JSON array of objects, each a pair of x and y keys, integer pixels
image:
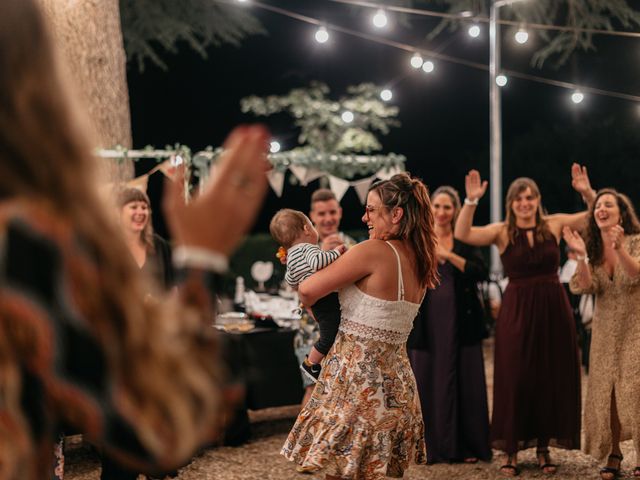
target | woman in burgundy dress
[{"x": 537, "y": 373}]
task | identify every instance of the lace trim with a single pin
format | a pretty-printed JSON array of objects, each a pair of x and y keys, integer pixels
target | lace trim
[{"x": 372, "y": 333}]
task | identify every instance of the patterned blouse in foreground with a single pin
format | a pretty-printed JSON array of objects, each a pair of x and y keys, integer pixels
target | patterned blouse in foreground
[{"x": 48, "y": 285}]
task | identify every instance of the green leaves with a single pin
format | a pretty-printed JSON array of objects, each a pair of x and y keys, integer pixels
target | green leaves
[
  {"x": 320, "y": 121},
  {"x": 152, "y": 26}
]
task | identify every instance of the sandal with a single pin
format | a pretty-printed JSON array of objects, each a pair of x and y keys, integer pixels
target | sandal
[
  {"x": 610, "y": 473},
  {"x": 546, "y": 466},
  {"x": 510, "y": 469}
]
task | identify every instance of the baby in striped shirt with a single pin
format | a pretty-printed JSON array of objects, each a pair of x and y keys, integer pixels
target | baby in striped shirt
[{"x": 294, "y": 231}]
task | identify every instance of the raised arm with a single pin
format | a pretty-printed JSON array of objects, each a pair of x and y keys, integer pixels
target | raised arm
[
  {"x": 475, "y": 188},
  {"x": 581, "y": 184}
]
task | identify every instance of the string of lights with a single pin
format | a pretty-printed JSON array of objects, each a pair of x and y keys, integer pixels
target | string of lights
[
  {"x": 479, "y": 18},
  {"x": 422, "y": 58}
]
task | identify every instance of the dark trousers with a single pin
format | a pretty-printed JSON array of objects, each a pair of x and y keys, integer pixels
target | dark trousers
[{"x": 327, "y": 313}]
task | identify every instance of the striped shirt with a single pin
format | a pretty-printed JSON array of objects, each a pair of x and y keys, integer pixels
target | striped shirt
[{"x": 303, "y": 259}]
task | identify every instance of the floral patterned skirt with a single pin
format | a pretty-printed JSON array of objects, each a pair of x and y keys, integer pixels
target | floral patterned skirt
[{"x": 364, "y": 419}]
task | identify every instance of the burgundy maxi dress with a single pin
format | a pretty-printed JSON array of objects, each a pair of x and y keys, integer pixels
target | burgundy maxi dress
[{"x": 537, "y": 373}]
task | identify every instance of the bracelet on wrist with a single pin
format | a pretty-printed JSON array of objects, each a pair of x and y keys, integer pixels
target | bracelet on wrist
[
  {"x": 201, "y": 258},
  {"x": 582, "y": 258},
  {"x": 474, "y": 202}
]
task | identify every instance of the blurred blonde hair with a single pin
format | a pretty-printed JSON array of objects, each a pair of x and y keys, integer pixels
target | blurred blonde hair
[{"x": 167, "y": 380}]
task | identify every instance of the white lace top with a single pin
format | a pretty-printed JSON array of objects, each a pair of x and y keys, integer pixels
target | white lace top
[{"x": 373, "y": 318}]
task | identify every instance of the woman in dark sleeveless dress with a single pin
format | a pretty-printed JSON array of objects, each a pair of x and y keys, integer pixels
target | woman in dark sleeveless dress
[
  {"x": 537, "y": 373},
  {"x": 445, "y": 346}
]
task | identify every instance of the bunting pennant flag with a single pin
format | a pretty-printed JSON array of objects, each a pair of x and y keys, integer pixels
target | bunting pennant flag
[
  {"x": 362, "y": 187},
  {"x": 299, "y": 172},
  {"x": 388, "y": 172},
  {"x": 276, "y": 180},
  {"x": 140, "y": 182},
  {"x": 167, "y": 168},
  {"x": 305, "y": 175},
  {"x": 338, "y": 186}
]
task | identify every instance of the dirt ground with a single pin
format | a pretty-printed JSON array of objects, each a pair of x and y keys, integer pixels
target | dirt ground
[{"x": 260, "y": 459}]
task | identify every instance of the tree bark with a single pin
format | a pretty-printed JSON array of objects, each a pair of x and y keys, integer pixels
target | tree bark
[{"x": 89, "y": 36}]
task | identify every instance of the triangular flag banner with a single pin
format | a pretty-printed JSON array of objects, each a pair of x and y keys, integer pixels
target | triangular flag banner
[
  {"x": 140, "y": 183},
  {"x": 388, "y": 172},
  {"x": 338, "y": 186},
  {"x": 362, "y": 188},
  {"x": 312, "y": 174},
  {"x": 276, "y": 180},
  {"x": 166, "y": 167},
  {"x": 299, "y": 172}
]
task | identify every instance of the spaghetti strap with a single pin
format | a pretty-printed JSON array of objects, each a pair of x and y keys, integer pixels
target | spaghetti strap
[{"x": 400, "y": 280}]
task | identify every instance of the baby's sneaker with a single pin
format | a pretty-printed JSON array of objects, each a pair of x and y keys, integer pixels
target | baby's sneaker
[{"x": 311, "y": 370}]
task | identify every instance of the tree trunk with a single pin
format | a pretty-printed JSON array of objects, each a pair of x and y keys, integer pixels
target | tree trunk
[{"x": 89, "y": 36}]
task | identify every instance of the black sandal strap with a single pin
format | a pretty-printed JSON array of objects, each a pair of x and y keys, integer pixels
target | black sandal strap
[
  {"x": 508, "y": 466},
  {"x": 616, "y": 456}
]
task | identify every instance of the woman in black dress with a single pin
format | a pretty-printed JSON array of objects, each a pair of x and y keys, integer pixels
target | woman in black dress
[{"x": 445, "y": 347}]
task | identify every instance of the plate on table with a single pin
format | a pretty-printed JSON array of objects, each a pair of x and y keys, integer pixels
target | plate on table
[{"x": 234, "y": 322}]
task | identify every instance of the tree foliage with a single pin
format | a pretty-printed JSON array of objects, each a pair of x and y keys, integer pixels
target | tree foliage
[
  {"x": 319, "y": 117},
  {"x": 588, "y": 14},
  {"x": 149, "y": 26}
]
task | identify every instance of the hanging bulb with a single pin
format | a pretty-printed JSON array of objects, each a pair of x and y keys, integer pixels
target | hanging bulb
[
  {"x": 386, "y": 94},
  {"x": 347, "y": 117},
  {"x": 501, "y": 80},
  {"x": 416, "y": 60},
  {"x": 322, "y": 35},
  {"x": 474, "y": 31},
  {"x": 274, "y": 146},
  {"x": 428, "y": 66},
  {"x": 380, "y": 19},
  {"x": 577, "y": 96},
  {"x": 522, "y": 36}
]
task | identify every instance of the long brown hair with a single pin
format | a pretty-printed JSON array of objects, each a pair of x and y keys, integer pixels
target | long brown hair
[
  {"x": 518, "y": 186},
  {"x": 416, "y": 225},
  {"x": 628, "y": 221},
  {"x": 45, "y": 160}
]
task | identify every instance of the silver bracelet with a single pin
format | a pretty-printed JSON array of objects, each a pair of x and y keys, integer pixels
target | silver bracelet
[
  {"x": 582, "y": 258},
  {"x": 473, "y": 202},
  {"x": 202, "y": 258}
]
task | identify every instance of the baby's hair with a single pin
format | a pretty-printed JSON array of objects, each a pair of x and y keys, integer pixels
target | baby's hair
[{"x": 287, "y": 225}]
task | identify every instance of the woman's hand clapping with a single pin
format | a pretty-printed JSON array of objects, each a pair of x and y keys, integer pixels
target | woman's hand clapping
[
  {"x": 614, "y": 236},
  {"x": 574, "y": 241}
]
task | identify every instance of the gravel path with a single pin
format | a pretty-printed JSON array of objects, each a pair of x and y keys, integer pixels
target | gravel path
[{"x": 259, "y": 459}]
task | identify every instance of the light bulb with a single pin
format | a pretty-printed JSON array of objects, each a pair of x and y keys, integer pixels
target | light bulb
[
  {"x": 386, "y": 94},
  {"x": 322, "y": 35},
  {"x": 428, "y": 66},
  {"x": 577, "y": 96},
  {"x": 474, "y": 31},
  {"x": 501, "y": 80},
  {"x": 274, "y": 146},
  {"x": 380, "y": 19},
  {"x": 522, "y": 36},
  {"x": 416, "y": 60},
  {"x": 347, "y": 117}
]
